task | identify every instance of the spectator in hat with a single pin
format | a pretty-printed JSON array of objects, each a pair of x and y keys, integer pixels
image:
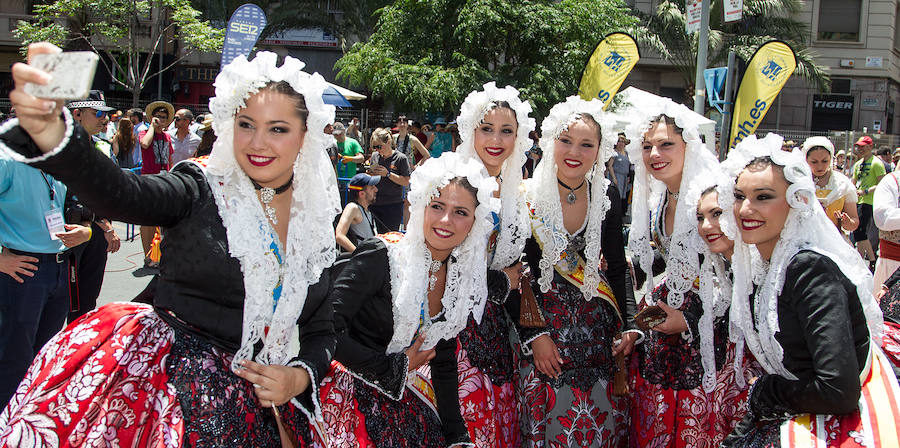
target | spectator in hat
[
  {"x": 90, "y": 258},
  {"x": 351, "y": 153},
  {"x": 788, "y": 145},
  {"x": 91, "y": 114},
  {"x": 357, "y": 223},
  {"x": 207, "y": 139},
  {"x": 867, "y": 172},
  {"x": 440, "y": 141},
  {"x": 184, "y": 141},
  {"x": 156, "y": 152}
]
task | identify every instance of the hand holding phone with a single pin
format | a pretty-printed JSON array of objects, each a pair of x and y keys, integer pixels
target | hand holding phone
[
  {"x": 72, "y": 74},
  {"x": 39, "y": 117}
]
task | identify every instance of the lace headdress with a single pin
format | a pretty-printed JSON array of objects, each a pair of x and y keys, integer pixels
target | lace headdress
[
  {"x": 465, "y": 288},
  {"x": 542, "y": 193},
  {"x": 309, "y": 248},
  {"x": 806, "y": 228},
  {"x": 682, "y": 260},
  {"x": 514, "y": 226},
  {"x": 715, "y": 281}
]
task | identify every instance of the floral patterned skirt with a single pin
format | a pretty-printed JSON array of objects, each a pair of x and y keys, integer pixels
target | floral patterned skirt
[
  {"x": 666, "y": 417},
  {"x": 358, "y": 415},
  {"x": 569, "y": 417},
  {"x": 488, "y": 380},
  {"x": 490, "y": 411},
  {"x": 891, "y": 344},
  {"x": 121, "y": 376},
  {"x": 875, "y": 424}
]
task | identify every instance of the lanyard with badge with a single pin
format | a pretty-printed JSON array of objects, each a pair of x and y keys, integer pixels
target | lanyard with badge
[{"x": 54, "y": 216}]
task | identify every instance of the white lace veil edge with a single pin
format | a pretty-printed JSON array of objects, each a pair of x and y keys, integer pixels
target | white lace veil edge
[
  {"x": 715, "y": 284},
  {"x": 514, "y": 226},
  {"x": 807, "y": 228},
  {"x": 682, "y": 260},
  {"x": 542, "y": 193},
  {"x": 466, "y": 282},
  {"x": 315, "y": 202}
]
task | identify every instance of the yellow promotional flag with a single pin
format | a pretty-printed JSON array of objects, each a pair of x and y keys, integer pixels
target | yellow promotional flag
[
  {"x": 768, "y": 70},
  {"x": 612, "y": 60}
]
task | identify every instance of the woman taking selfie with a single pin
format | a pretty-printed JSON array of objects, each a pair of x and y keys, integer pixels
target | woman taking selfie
[{"x": 247, "y": 238}]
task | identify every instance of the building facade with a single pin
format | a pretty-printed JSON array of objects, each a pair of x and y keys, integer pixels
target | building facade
[{"x": 858, "y": 41}]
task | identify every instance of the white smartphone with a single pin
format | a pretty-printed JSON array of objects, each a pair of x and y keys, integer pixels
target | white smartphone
[{"x": 72, "y": 72}]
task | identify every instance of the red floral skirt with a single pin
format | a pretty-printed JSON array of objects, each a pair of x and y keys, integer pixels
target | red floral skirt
[
  {"x": 891, "y": 343},
  {"x": 121, "y": 376},
  {"x": 665, "y": 417},
  {"x": 490, "y": 411},
  {"x": 358, "y": 415}
]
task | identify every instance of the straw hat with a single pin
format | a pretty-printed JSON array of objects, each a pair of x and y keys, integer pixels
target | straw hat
[
  {"x": 207, "y": 123},
  {"x": 148, "y": 111}
]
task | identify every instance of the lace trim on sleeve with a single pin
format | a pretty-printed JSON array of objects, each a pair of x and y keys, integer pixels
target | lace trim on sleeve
[{"x": 5, "y": 151}]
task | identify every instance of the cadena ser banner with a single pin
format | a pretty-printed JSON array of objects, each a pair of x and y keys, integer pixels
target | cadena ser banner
[
  {"x": 768, "y": 70},
  {"x": 244, "y": 28},
  {"x": 609, "y": 65}
]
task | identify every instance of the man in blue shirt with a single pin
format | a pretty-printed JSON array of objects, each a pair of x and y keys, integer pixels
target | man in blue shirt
[{"x": 34, "y": 293}]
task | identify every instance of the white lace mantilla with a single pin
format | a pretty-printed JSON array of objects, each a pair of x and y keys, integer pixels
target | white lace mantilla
[
  {"x": 542, "y": 192},
  {"x": 715, "y": 282},
  {"x": 514, "y": 224},
  {"x": 806, "y": 228},
  {"x": 315, "y": 202},
  {"x": 682, "y": 261},
  {"x": 465, "y": 289}
]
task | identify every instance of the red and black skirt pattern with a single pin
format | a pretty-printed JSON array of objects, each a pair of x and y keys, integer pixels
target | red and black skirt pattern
[
  {"x": 357, "y": 415},
  {"x": 488, "y": 380},
  {"x": 667, "y": 417},
  {"x": 121, "y": 376},
  {"x": 577, "y": 409},
  {"x": 669, "y": 407}
]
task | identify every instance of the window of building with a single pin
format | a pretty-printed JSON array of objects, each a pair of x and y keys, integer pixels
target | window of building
[
  {"x": 839, "y": 20},
  {"x": 840, "y": 85}
]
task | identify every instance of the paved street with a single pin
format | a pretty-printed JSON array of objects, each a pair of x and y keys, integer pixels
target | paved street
[{"x": 125, "y": 275}]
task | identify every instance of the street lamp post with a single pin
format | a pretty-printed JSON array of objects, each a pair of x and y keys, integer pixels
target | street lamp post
[{"x": 702, "y": 46}]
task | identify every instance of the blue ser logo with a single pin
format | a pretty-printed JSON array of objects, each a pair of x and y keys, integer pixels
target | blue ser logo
[
  {"x": 772, "y": 70},
  {"x": 614, "y": 61}
]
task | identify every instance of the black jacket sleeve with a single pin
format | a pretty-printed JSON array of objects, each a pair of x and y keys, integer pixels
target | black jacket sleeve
[
  {"x": 364, "y": 277},
  {"x": 612, "y": 242},
  {"x": 317, "y": 340},
  {"x": 445, "y": 379},
  {"x": 109, "y": 191},
  {"x": 821, "y": 303},
  {"x": 498, "y": 286}
]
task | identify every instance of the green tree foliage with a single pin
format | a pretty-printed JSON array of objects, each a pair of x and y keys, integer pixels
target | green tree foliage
[
  {"x": 126, "y": 32},
  {"x": 427, "y": 55},
  {"x": 763, "y": 20},
  {"x": 348, "y": 20}
]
